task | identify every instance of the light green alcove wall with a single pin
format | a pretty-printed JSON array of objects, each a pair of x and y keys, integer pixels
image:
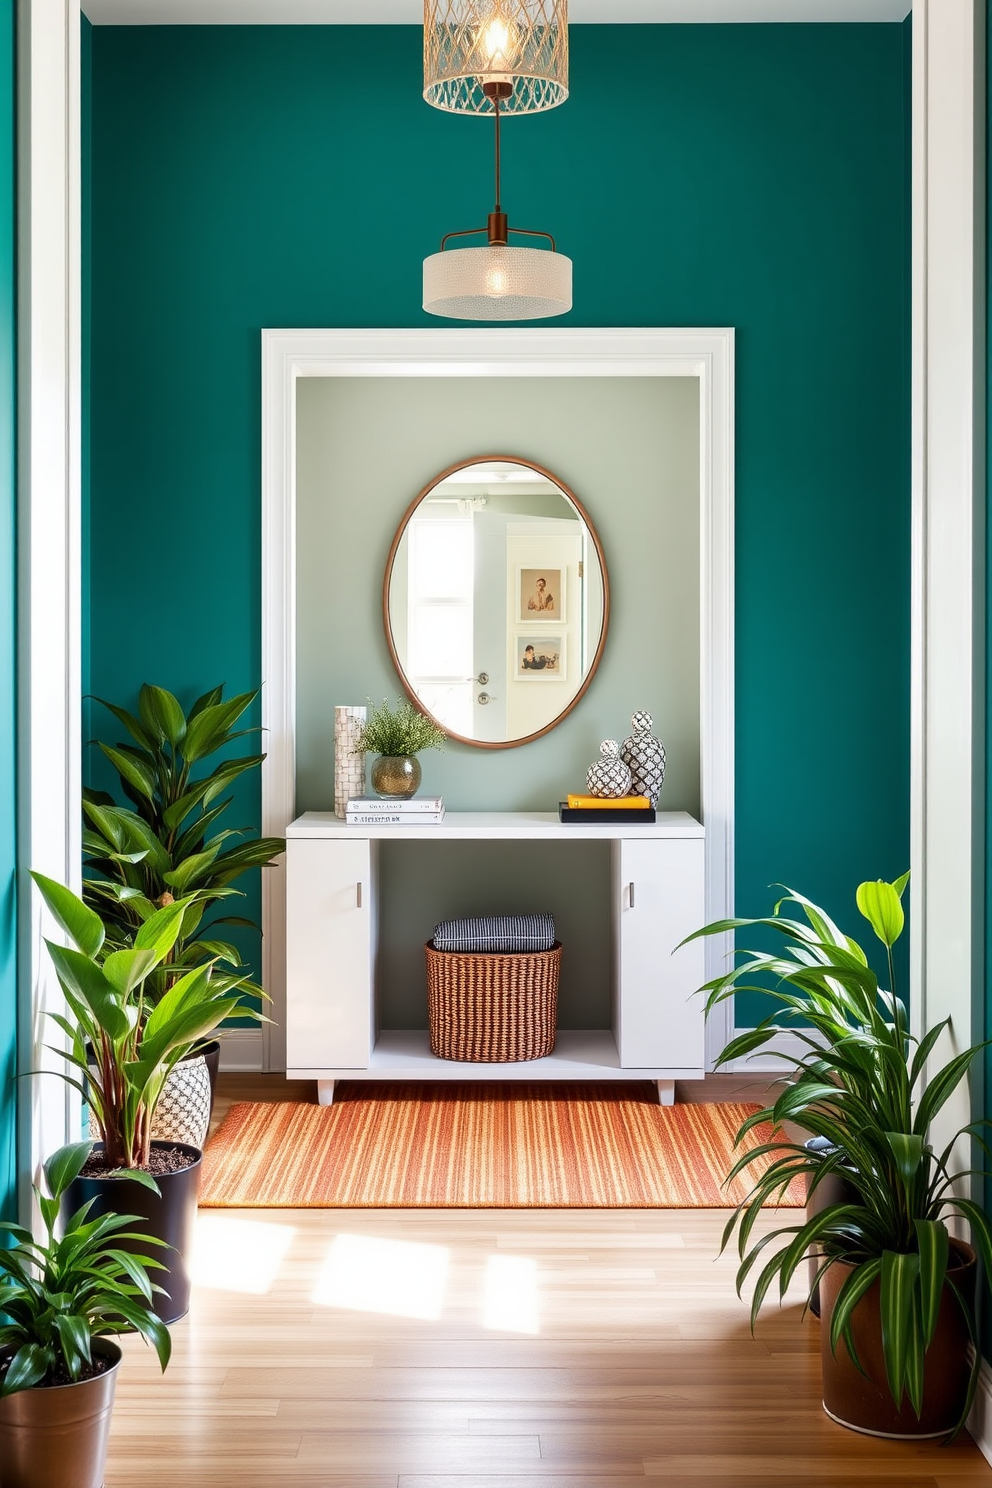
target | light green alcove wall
[{"x": 629, "y": 449}]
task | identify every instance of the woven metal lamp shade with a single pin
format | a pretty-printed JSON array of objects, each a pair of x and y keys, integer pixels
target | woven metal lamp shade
[
  {"x": 497, "y": 283},
  {"x": 468, "y": 43}
]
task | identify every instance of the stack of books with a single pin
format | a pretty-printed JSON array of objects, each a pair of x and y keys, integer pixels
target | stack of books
[
  {"x": 606, "y": 809},
  {"x": 410, "y": 811}
]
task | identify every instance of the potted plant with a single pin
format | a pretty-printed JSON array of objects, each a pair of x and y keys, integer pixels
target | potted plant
[
  {"x": 897, "y": 1290},
  {"x": 124, "y": 1048},
  {"x": 60, "y": 1302},
  {"x": 166, "y": 843},
  {"x": 397, "y": 735}
]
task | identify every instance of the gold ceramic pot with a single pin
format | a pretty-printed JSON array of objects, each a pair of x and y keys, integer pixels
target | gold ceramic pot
[
  {"x": 396, "y": 775},
  {"x": 56, "y": 1437}
]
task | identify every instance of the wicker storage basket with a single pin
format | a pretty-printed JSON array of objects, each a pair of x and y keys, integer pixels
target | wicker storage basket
[{"x": 488, "y": 1008}]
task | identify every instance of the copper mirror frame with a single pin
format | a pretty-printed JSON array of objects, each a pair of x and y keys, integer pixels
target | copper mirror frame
[{"x": 595, "y": 549}]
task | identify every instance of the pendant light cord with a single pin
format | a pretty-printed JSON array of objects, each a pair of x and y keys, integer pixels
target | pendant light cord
[{"x": 496, "y": 107}]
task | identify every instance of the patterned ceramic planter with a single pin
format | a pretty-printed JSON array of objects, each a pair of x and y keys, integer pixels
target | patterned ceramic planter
[{"x": 183, "y": 1111}]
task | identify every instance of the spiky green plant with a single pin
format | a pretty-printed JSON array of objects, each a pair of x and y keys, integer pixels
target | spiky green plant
[
  {"x": 860, "y": 1080},
  {"x": 56, "y": 1296},
  {"x": 166, "y": 844},
  {"x": 123, "y": 1047},
  {"x": 403, "y": 730}
]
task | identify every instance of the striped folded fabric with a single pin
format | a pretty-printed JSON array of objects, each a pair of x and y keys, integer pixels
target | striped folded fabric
[{"x": 530, "y": 932}]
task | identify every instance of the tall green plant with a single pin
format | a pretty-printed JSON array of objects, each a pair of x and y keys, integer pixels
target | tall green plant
[
  {"x": 167, "y": 844},
  {"x": 124, "y": 1047},
  {"x": 56, "y": 1296},
  {"x": 861, "y": 1080}
]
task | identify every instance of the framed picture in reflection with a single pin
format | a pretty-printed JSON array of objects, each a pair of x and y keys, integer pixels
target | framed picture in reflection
[
  {"x": 540, "y": 595},
  {"x": 540, "y": 657}
]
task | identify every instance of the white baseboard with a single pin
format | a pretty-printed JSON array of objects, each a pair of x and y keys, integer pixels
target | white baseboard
[
  {"x": 770, "y": 1060},
  {"x": 241, "y": 1050},
  {"x": 980, "y": 1420}
]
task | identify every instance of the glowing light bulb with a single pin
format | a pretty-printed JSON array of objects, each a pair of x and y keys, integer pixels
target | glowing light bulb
[
  {"x": 496, "y": 42},
  {"x": 496, "y": 281}
]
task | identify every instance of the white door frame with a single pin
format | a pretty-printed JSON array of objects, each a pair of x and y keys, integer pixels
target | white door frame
[
  {"x": 49, "y": 560},
  {"x": 288, "y": 355}
]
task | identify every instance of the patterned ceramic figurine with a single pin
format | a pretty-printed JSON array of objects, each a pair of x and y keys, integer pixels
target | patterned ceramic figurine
[
  {"x": 645, "y": 757},
  {"x": 608, "y": 776}
]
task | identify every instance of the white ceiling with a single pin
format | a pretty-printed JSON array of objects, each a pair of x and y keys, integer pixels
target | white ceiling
[{"x": 410, "y": 12}]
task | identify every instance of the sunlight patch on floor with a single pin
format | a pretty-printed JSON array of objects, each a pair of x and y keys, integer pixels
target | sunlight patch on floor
[
  {"x": 510, "y": 1295},
  {"x": 401, "y": 1277},
  {"x": 238, "y": 1255}
]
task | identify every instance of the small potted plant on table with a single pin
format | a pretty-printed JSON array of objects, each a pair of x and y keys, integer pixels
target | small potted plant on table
[
  {"x": 397, "y": 736},
  {"x": 124, "y": 1049},
  {"x": 899, "y": 1334},
  {"x": 60, "y": 1302}
]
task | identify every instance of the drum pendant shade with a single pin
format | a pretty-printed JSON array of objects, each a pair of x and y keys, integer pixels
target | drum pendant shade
[
  {"x": 497, "y": 283},
  {"x": 468, "y": 43}
]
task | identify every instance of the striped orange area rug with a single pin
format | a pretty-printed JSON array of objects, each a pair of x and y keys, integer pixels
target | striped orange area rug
[{"x": 479, "y": 1145}]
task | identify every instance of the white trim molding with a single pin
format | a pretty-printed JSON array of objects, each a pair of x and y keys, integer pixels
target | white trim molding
[
  {"x": 980, "y": 1419},
  {"x": 240, "y": 1050},
  {"x": 288, "y": 355},
  {"x": 49, "y": 476},
  {"x": 948, "y": 515}
]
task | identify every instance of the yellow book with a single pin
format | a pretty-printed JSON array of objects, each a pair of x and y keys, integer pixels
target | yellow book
[{"x": 597, "y": 803}]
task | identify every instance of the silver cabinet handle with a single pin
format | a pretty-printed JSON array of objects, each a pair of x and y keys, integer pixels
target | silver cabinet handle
[
  {"x": 630, "y": 893},
  {"x": 358, "y": 896}
]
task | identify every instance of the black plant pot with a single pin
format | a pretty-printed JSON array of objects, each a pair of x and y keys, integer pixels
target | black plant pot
[
  {"x": 170, "y": 1216},
  {"x": 834, "y": 1189},
  {"x": 211, "y": 1057}
]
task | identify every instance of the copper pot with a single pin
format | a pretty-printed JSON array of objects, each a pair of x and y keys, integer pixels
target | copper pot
[
  {"x": 863, "y": 1402},
  {"x": 56, "y": 1436}
]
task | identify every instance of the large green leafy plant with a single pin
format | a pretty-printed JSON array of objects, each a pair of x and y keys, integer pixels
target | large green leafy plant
[
  {"x": 123, "y": 1045},
  {"x": 167, "y": 844},
  {"x": 56, "y": 1296},
  {"x": 866, "y": 1084}
]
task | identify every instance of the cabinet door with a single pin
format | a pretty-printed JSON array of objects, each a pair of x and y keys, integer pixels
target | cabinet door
[
  {"x": 660, "y": 896},
  {"x": 329, "y": 955}
]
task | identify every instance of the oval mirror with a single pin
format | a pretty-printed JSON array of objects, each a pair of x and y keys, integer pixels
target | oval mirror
[{"x": 496, "y": 601}]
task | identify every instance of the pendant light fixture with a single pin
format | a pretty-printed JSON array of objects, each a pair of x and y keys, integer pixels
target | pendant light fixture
[
  {"x": 497, "y": 282},
  {"x": 471, "y": 43}
]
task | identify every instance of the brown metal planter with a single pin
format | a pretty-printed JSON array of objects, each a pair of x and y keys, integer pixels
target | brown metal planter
[
  {"x": 866, "y": 1404},
  {"x": 57, "y": 1437}
]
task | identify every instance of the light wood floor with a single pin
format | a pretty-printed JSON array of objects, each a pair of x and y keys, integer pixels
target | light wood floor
[{"x": 487, "y": 1349}]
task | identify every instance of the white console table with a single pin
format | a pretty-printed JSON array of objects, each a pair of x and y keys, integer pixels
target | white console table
[{"x": 657, "y": 898}]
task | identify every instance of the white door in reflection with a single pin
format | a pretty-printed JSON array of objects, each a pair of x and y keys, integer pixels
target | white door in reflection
[{"x": 440, "y": 616}]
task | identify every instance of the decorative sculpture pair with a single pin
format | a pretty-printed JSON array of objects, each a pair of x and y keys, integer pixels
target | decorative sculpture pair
[{"x": 634, "y": 768}]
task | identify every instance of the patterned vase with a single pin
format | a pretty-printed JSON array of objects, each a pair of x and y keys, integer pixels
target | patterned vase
[
  {"x": 645, "y": 757},
  {"x": 349, "y": 765},
  {"x": 608, "y": 776}
]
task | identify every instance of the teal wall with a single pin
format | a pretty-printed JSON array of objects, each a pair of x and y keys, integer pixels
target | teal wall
[
  {"x": 749, "y": 176},
  {"x": 8, "y": 600}
]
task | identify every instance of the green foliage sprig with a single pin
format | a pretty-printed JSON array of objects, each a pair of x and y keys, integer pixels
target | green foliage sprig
[
  {"x": 164, "y": 845},
  {"x": 861, "y": 1080},
  {"x": 405, "y": 730},
  {"x": 56, "y": 1296}
]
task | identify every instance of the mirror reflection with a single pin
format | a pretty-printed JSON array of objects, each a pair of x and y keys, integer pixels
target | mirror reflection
[{"x": 496, "y": 601}]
